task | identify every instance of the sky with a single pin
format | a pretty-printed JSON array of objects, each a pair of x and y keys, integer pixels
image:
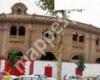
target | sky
[{"x": 91, "y": 14}]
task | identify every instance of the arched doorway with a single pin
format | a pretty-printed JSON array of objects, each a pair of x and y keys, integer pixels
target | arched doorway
[
  {"x": 97, "y": 60},
  {"x": 49, "y": 56},
  {"x": 76, "y": 57}
]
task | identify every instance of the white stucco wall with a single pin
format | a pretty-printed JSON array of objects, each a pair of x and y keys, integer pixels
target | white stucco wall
[{"x": 67, "y": 68}]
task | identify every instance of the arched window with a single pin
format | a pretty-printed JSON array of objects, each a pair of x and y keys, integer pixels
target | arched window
[
  {"x": 97, "y": 60},
  {"x": 13, "y": 30},
  {"x": 49, "y": 56},
  {"x": 75, "y": 36},
  {"x": 81, "y": 38},
  {"x": 76, "y": 57},
  {"x": 46, "y": 33},
  {"x": 19, "y": 11},
  {"x": 21, "y": 31},
  {"x": 97, "y": 41}
]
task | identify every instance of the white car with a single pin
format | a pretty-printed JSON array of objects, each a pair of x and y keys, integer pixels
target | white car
[
  {"x": 51, "y": 78},
  {"x": 28, "y": 77},
  {"x": 41, "y": 76},
  {"x": 72, "y": 77}
]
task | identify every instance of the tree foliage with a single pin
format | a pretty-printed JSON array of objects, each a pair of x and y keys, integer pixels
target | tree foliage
[
  {"x": 80, "y": 64},
  {"x": 49, "y": 6},
  {"x": 14, "y": 56}
]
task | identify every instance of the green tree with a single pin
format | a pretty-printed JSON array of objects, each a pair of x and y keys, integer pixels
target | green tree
[
  {"x": 80, "y": 63},
  {"x": 48, "y": 5},
  {"x": 13, "y": 57}
]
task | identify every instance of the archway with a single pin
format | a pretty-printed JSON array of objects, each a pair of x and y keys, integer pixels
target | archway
[
  {"x": 76, "y": 57},
  {"x": 49, "y": 56},
  {"x": 97, "y": 60}
]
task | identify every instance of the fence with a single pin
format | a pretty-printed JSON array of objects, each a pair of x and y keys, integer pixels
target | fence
[{"x": 50, "y": 68}]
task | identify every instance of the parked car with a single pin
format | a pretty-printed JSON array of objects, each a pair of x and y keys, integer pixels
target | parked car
[
  {"x": 28, "y": 77},
  {"x": 41, "y": 76},
  {"x": 72, "y": 77},
  {"x": 98, "y": 77},
  {"x": 51, "y": 78},
  {"x": 89, "y": 78}
]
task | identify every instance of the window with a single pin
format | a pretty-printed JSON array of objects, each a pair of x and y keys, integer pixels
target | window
[
  {"x": 49, "y": 34},
  {"x": 46, "y": 35},
  {"x": 13, "y": 30},
  {"x": 75, "y": 36},
  {"x": 97, "y": 41},
  {"x": 21, "y": 31},
  {"x": 81, "y": 38},
  {"x": 19, "y": 11}
]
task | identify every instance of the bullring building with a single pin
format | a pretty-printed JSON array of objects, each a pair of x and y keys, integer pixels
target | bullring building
[{"x": 20, "y": 30}]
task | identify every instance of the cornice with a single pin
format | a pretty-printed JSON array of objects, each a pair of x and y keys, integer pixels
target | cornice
[
  {"x": 84, "y": 27},
  {"x": 47, "y": 20}
]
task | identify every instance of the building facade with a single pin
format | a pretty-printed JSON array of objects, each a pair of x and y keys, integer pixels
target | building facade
[{"x": 21, "y": 31}]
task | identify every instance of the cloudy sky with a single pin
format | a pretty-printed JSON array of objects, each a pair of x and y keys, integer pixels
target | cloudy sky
[{"x": 90, "y": 15}]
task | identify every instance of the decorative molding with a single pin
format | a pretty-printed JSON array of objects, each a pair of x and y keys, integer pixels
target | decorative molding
[
  {"x": 17, "y": 41},
  {"x": 41, "y": 20},
  {"x": 78, "y": 45}
]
